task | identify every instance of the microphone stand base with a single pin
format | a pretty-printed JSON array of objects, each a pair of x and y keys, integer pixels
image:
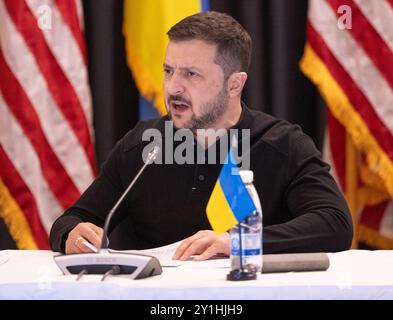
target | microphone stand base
[{"x": 134, "y": 266}]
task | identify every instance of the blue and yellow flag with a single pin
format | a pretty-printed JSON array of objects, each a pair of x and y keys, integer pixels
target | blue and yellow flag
[
  {"x": 146, "y": 23},
  {"x": 230, "y": 201}
]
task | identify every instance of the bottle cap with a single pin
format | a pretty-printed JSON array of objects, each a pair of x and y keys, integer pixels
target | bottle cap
[{"x": 247, "y": 176}]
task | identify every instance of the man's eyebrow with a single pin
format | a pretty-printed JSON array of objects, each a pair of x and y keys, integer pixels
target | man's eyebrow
[{"x": 167, "y": 66}]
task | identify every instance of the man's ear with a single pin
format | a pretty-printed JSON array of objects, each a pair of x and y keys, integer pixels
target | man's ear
[{"x": 236, "y": 83}]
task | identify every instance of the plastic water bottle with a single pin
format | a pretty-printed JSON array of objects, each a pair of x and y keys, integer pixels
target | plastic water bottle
[{"x": 251, "y": 231}]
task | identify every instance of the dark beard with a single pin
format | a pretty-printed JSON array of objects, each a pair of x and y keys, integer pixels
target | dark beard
[{"x": 215, "y": 110}]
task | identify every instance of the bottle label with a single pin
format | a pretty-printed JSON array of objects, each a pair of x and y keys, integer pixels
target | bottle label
[
  {"x": 253, "y": 252},
  {"x": 251, "y": 244}
]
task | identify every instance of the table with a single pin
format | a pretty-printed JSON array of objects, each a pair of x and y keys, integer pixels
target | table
[{"x": 353, "y": 274}]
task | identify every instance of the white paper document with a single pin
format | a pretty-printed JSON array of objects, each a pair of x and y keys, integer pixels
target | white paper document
[{"x": 165, "y": 253}]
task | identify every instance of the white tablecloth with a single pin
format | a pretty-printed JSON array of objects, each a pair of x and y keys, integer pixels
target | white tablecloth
[{"x": 353, "y": 274}]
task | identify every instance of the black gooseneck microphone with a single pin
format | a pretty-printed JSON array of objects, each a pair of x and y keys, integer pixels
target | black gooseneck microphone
[
  {"x": 135, "y": 266},
  {"x": 152, "y": 155}
]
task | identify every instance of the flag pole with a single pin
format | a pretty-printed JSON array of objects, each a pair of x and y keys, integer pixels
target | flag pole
[
  {"x": 234, "y": 146},
  {"x": 240, "y": 246},
  {"x": 242, "y": 273}
]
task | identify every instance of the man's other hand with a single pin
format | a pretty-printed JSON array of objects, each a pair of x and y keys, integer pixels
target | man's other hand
[
  {"x": 82, "y": 233},
  {"x": 203, "y": 245}
]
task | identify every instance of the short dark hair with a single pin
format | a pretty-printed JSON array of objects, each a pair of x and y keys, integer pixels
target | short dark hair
[{"x": 233, "y": 42}]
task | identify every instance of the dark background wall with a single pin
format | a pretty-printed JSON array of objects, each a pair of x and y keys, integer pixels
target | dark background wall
[{"x": 275, "y": 83}]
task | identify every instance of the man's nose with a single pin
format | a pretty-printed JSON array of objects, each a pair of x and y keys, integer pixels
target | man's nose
[{"x": 175, "y": 84}]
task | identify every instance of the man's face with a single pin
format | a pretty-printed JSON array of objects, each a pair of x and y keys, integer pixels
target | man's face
[{"x": 195, "y": 92}]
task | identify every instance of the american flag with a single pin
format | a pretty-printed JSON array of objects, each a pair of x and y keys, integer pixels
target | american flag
[
  {"x": 46, "y": 136},
  {"x": 349, "y": 56}
]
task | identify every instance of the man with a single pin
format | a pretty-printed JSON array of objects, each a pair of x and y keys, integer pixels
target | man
[{"x": 205, "y": 71}]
